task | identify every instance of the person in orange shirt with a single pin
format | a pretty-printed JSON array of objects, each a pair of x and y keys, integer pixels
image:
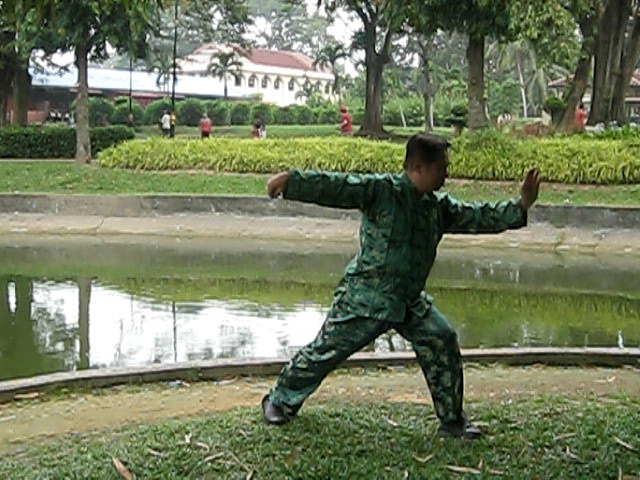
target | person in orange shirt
[
  {"x": 205, "y": 126},
  {"x": 346, "y": 127},
  {"x": 579, "y": 118}
]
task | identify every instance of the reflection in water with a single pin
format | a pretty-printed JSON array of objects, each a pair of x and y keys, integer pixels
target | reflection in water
[{"x": 246, "y": 305}]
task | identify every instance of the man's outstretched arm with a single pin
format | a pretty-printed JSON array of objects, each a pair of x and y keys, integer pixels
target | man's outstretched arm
[
  {"x": 479, "y": 217},
  {"x": 328, "y": 189}
]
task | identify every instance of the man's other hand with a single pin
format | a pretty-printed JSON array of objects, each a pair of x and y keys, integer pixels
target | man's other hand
[
  {"x": 529, "y": 189},
  {"x": 277, "y": 184}
]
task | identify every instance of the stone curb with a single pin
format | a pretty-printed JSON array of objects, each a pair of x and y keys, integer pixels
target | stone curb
[
  {"x": 559, "y": 216},
  {"x": 216, "y": 369}
]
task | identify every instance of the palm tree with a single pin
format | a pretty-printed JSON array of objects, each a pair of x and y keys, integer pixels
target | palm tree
[
  {"x": 222, "y": 64},
  {"x": 163, "y": 66},
  {"x": 328, "y": 56}
]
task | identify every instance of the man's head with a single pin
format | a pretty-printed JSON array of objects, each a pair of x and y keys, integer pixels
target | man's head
[
  {"x": 426, "y": 161},
  {"x": 343, "y": 109}
]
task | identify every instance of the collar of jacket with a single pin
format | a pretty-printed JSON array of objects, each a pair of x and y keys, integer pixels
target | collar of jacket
[{"x": 417, "y": 194}]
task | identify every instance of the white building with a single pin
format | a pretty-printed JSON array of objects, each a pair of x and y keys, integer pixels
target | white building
[{"x": 276, "y": 77}]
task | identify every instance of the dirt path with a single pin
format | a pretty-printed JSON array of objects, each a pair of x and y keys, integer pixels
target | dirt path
[{"x": 28, "y": 421}]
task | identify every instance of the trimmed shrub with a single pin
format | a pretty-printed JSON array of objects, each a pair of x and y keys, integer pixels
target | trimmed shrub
[
  {"x": 219, "y": 111},
  {"x": 285, "y": 116},
  {"x": 120, "y": 115},
  {"x": 412, "y": 108},
  {"x": 56, "y": 142},
  {"x": 241, "y": 113},
  {"x": 326, "y": 116},
  {"x": 264, "y": 111},
  {"x": 190, "y": 112},
  {"x": 100, "y": 111},
  {"x": 303, "y": 115},
  {"x": 487, "y": 155},
  {"x": 155, "y": 110}
]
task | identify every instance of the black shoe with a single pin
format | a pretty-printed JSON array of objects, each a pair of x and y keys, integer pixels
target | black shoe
[
  {"x": 273, "y": 415},
  {"x": 464, "y": 429}
]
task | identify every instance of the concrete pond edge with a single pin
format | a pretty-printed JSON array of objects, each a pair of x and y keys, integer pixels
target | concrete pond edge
[
  {"x": 559, "y": 216},
  {"x": 11, "y": 390}
]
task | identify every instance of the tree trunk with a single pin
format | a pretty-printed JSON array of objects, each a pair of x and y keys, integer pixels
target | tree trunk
[
  {"x": 574, "y": 95},
  {"x": 372, "y": 120},
  {"x": 523, "y": 89},
  {"x": 475, "y": 60},
  {"x": 630, "y": 59},
  {"x": 3, "y": 109},
  {"x": 608, "y": 57},
  {"x": 21, "y": 84},
  {"x": 83, "y": 141},
  {"x": 84, "y": 299},
  {"x": 427, "y": 93},
  {"x": 225, "y": 87}
]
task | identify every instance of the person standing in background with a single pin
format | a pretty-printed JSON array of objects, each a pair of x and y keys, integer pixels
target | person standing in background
[
  {"x": 205, "y": 126},
  {"x": 346, "y": 127}
]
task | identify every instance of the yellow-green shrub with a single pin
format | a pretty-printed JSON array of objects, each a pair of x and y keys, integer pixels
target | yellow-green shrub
[{"x": 488, "y": 156}]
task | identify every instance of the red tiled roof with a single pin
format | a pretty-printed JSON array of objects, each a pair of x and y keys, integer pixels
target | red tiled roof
[
  {"x": 561, "y": 82},
  {"x": 280, "y": 59}
]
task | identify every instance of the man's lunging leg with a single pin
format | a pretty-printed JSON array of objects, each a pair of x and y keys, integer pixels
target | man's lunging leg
[{"x": 341, "y": 335}]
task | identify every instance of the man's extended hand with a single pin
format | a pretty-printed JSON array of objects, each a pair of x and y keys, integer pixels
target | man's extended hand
[
  {"x": 529, "y": 189},
  {"x": 277, "y": 184}
]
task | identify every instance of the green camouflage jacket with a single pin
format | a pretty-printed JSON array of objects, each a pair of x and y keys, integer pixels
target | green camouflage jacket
[{"x": 399, "y": 235}]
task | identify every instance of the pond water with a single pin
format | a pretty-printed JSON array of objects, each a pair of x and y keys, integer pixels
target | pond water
[{"x": 74, "y": 303}]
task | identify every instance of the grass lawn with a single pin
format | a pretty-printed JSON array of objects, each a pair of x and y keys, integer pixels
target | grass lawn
[
  {"x": 276, "y": 131},
  {"x": 60, "y": 177},
  {"x": 540, "y": 437}
]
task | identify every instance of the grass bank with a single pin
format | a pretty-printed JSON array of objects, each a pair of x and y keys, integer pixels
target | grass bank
[
  {"x": 60, "y": 177},
  {"x": 542, "y": 436}
]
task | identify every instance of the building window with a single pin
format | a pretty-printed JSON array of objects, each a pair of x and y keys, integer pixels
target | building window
[
  {"x": 292, "y": 84},
  {"x": 317, "y": 87},
  {"x": 265, "y": 82},
  {"x": 276, "y": 84},
  {"x": 252, "y": 81},
  {"x": 327, "y": 88},
  {"x": 238, "y": 80}
]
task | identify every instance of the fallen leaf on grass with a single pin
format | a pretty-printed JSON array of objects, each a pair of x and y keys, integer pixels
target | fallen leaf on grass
[
  {"x": 423, "y": 460},
  {"x": 187, "y": 438},
  {"x": 572, "y": 455},
  {"x": 391, "y": 422},
  {"x": 213, "y": 457},
  {"x": 156, "y": 453},
  {"x": 564, "y": 435},
  {"x": 626, "y": 445},
  {"x": 250, "y": 475},
  {"x": 455, "y": 468},
  {"x": 121, "y": 469},
  {"x": 203, "y": 446}
]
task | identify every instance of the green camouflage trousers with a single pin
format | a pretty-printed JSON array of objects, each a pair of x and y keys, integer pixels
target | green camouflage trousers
[{"x": 342, "y": 334}]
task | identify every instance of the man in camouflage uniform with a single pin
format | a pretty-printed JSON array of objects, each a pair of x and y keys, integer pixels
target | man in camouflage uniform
[{"x": 403, "y": 222}]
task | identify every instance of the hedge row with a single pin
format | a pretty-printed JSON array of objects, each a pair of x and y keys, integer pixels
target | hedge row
[
  {"x": 56, "y": 142},
  {"x": 485, "y": 156}
]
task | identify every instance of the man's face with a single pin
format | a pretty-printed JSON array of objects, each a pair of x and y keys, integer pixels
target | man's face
[{"x": 431, "y": 176}]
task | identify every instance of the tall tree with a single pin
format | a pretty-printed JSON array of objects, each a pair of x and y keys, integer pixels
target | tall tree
[
  {"x": 87, "y": 26},
  {"x": 586, "y": 14},
  {"x": 381, "y": 21},
  {"x": 329, "y": 57},
  {"x": 224, "y": 64},
  {"x": 616, "y": 54}
]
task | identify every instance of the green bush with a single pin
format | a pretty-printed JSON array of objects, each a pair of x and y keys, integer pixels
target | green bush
[
  {"x": 487, "y": 155},
  {"x": 326, "y": 116},
  {"x": 411, "y": 107},
  {"x": 285, "y": 116},
  {"x": 219, "y": 111},
  {"x": 100, "y": 111},
  {"x": 264, "y": 111},
  {"x": 190, "y": 112},
  {"x": 241, "y": 113},
  {"x": 56, "y": 142},
  {"x": 303, "y": 114},
  {"x": 155, "y": 110},
  {"x": 120, "y": 115}
]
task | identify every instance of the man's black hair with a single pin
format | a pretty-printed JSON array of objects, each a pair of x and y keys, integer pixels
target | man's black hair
[{"x": 425, "y": 148}]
